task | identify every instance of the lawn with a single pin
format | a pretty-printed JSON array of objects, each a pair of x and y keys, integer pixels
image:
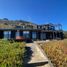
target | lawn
[
  {"x": 11, "y": 53},
  {"x": 56, "y": 51}
]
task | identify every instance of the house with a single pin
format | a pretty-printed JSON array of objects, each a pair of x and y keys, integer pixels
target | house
[{"x": 29, "y": 30}]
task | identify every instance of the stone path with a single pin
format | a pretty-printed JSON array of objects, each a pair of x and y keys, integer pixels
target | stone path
[{"x": 35, "y": 57}]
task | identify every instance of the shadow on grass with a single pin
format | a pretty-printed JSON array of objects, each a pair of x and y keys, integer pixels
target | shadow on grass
[{"x": 27, "y": 56}]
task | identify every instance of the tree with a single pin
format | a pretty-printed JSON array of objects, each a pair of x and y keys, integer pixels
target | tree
[{"x": 5, "y": 19}]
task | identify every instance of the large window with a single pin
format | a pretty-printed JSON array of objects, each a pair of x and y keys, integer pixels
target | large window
[
  {"x": 7, "y": 34},
  {"x": 26, "y": 34},
  {"x": 34, "y": 35}
]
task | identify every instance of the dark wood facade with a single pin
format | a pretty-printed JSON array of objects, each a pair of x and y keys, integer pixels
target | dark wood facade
[{"x": 33, "y": 34}]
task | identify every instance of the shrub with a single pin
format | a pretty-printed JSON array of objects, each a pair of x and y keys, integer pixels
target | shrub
[{"x": 11, "y": 54}]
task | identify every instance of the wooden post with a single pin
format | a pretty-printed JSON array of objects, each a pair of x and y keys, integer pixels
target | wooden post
[
  {"x": 21, "y": 33},
  {"x": 13, "y": 34},
  {"x": 53, "y": 35},
  {"x": 30, "y": 34},
  {"x": 1, "y": 34},
  {"x": 56, "y": 34},
  {"x": 38, "y": 35},
  {"x": 44, "y": 35}
]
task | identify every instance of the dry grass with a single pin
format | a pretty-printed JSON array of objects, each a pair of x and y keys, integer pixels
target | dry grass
[{"x": 57, "y": 52}]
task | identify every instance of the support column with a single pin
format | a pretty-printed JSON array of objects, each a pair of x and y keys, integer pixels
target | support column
[
  {"x": 47, "y": 35},
  {"x": 30, "y": 34},
  {"x": 53, "y": 35},
  {"x": 44, "y": 36},
  {"x": 1, "y": 34},
  {"x": 38, "y": 35},
  {"x": 41, "y": 36},
  {"x": 61, "y": 35},
  {"x": 56, "y": 35},
  {"x": 13, "y": 34},
  {"x": 21, "y": 33},
  {"x": 34, "y": 36}
]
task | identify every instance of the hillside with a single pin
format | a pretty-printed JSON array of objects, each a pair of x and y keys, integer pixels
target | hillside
[{"x": 5, "y": 23}]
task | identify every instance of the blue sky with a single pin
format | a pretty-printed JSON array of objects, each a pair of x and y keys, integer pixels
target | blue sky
[{"x": 36, "y": 11}]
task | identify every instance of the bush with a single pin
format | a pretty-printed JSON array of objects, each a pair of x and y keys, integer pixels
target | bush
[
  {"x": 11, "y": 54},
  {"x": 56, "y": 52}
]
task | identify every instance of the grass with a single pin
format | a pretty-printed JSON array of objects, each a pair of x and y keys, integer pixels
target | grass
[
  {"x": 11, "y": 53},
  {"x": 56, "y": 52}
]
